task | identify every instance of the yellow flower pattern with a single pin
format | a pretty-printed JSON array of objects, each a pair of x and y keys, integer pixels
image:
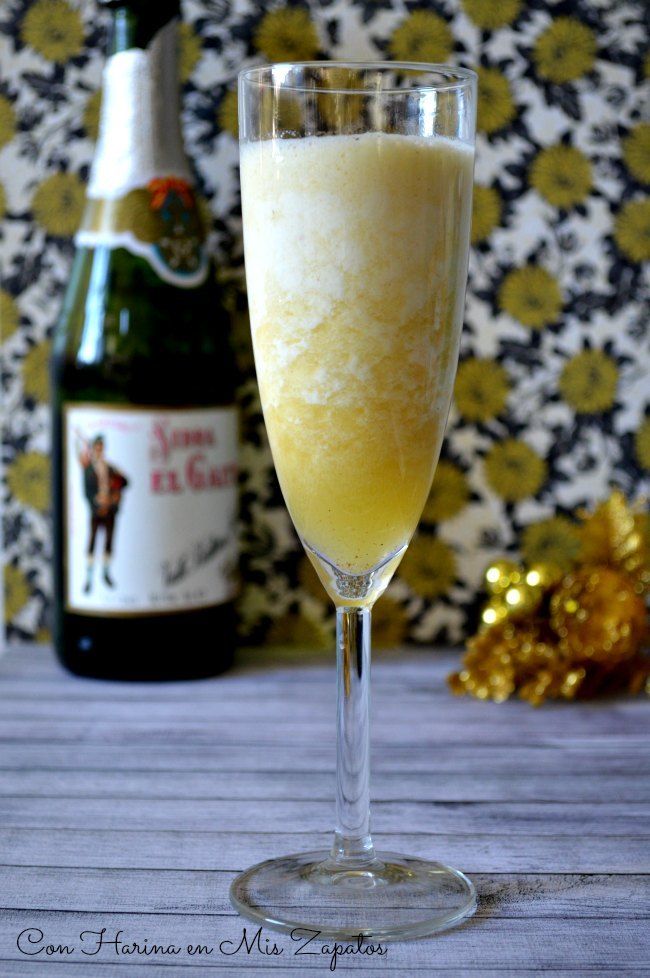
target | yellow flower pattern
[
  {"x": 554, "y": 541},
  {"x": 17, "y": 591},
  {"x": 532, "y": 296},
  {"x": 449, "y": 494},
  {"x": 428, "y": 566},
  {"x": 28, "y": 478},
  {"x": 389, "y": 623},
  {"x": 36, "y": 372},
  {"x": 339, "y": 108},
  {"x": 423, "y": 36},
  {"x": 562, "y": 175},
  {"x": 588, "y": 382},
  {"x": 565, "y": 51},
  {"x": 514, "y": 470},
  {"x": 481, "y": 390},
  {"x": 7, "y": 121},
  {"x": 9, "y": 316},
  {"x": 287, "y": 34},
  {"x": 189, "y": 51},
  {"x": 58, "y": 204},
  {"x": 642, "y": 444},
  {"x": 632, "y": 229},
  {"x": 227, "y": 113},
  {"x": 486, "y": 212},
  {"x": 91, "y": 115},
  {"x": 281, "y": 113},
  {"x": 301, "y": 630},
  {"x": 636, "y": 152},
  {"x": 496, "y": 105},
  {"x": 491, "y": 14},
  {"x": 54, "y": 29}
]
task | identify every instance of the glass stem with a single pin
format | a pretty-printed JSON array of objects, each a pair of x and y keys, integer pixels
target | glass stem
[{"x": 352, "y": 841}]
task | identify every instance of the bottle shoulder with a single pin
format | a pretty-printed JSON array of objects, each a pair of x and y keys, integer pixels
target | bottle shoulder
[
  {"x": 126, "y": 332},
  {"x": 114, "y": 277}
]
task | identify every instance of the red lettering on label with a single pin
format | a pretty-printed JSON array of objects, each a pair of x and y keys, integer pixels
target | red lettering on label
[
  {"x": 165, "y": 482},
  {"x": 199, "y": 475},
  {"x": 174, "y": 484},
  {"x": 195, "y": 472},
  {"x": 166, "y": 439}
]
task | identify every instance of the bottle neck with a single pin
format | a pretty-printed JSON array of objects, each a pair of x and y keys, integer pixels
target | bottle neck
[
  {"x": 124, "y": 31},
  {"x": 140, "y": 195},
  {"x": 135, "y": 22},
  {"x": 140, "y": 137}
]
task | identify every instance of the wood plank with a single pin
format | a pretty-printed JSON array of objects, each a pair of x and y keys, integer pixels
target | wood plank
[
  {"x": 389, "y": 684},
  {"x": 515, "y": 943},
  {"x": 584, "y": 786},
  {"x": 552, "y": 760},
  {"x": 608, "y": 818},
  {"x": 263, "y": 664},
  {"x": 420, "y": 675},
  {"x": 431, "y": 733},
  {"x": 261, "y": 705},
  {"x": 199, "y": 891},
  {"x": 477, "y": 853},
  {"x": 421, "y": 666}
]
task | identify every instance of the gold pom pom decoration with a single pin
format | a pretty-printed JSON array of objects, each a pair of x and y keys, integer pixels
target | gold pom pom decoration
[
  {"x": 548, "y": 634},
  {"x": 613, "y": 536},
  {"x": 598, "y": 615}
]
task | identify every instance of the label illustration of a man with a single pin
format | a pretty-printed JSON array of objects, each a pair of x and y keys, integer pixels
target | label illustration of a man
[{"x": 102, "y": 485}]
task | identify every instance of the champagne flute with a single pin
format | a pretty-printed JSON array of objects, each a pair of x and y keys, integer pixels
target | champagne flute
[{"x": 356, "y": 195}]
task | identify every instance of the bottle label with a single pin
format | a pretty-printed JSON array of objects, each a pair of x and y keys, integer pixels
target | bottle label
[
  {"x": 150, "y": 508},
  {"x": 140, "y": 193}
]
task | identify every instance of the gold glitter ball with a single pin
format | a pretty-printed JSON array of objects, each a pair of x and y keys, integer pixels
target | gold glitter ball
[{"x": 501, "y": 575}]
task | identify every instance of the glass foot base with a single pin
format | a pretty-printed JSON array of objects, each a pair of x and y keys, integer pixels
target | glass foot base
[{"x": 389, "y": 898}]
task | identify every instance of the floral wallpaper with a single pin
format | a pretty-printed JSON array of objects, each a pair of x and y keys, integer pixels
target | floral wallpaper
[{"x": 552, "y": 404}]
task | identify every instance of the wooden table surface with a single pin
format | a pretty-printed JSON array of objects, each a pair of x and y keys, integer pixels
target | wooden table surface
[{"x": 131, "y": 807}]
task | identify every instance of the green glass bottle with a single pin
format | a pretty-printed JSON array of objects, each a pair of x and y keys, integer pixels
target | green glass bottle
[{"x": 144, "y": 426}]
